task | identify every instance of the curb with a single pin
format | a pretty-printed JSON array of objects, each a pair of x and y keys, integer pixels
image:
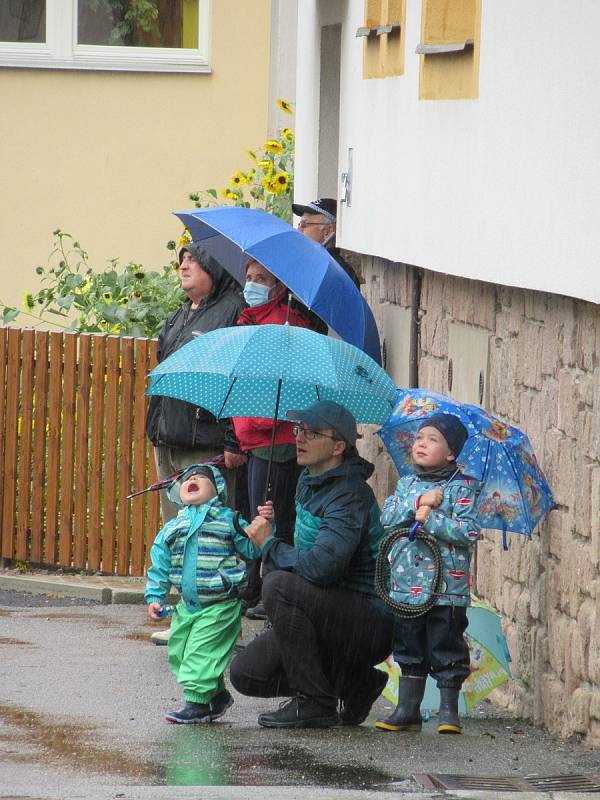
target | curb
[{"x": 72, "y": 587}]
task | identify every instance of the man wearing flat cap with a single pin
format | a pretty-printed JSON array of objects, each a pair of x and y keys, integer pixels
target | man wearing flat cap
[
  {"x": 328, "y": 628},
  {"x": 318, "y": 221}
]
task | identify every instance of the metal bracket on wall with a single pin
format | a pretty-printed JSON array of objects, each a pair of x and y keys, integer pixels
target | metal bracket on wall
[
  {"x": 346, "y": 179},
  {"x": 437, "y": 49},
  {"x": 366, "y": 32},
  {"x": 392, "y": 29}
]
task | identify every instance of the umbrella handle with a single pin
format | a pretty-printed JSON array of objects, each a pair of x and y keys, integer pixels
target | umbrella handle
[
  {"x": 236, "y": 524},
  {"x": 414, "y": 529}
]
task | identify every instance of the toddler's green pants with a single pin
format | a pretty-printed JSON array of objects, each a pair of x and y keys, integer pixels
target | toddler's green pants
[{"x": 200, "y": 647}]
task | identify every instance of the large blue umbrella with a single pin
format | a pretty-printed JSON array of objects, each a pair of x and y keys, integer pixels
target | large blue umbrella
[
  {"x": 514, "y": 495},
  {"x": 233, "y": 235}
]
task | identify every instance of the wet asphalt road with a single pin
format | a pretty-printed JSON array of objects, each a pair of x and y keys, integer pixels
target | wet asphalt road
[{"x": 82, "y": 693}]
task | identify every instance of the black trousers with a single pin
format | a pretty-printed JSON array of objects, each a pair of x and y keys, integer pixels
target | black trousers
[
  {"x": 284, "y": 477},
  {"x": 434, "y": 645},
  {"x": 324, "y": 642}
]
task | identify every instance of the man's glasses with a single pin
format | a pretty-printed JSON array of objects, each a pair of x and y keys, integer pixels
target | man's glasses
[
  {"x": 309, "y": 434},
  {"x": 303, "y": 224}
]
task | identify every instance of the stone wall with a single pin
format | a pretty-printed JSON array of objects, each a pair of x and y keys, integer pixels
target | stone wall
[{"x": 544, "y": 377}]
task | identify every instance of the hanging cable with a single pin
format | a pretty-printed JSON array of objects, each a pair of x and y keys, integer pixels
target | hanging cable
[{"x": 382, "y": 573}]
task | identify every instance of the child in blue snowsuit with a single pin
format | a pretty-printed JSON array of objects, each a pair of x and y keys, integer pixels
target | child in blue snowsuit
[
  {"x": 198, "y": 553},
  {"x": 443, "y": 500}
]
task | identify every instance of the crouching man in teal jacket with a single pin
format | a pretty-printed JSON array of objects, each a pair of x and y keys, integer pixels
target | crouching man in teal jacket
[{"x": 328, "y": 627}]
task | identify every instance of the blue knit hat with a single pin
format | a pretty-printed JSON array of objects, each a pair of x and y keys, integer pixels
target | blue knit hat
[{"x": 451, "y": 428}]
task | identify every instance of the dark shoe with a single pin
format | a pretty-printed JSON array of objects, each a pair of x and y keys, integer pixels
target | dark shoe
[
  {"x": 197, "y": 713},
  {"x": 257, "y": 612},
  {"x": 220, "y": 704},
  {"x": 407, "y": 715},
  {"x": 190, "y": 714},
  {"x": 356, "y": 709},
  {"x": 300, "y": 712},
  {"x": 448, "y": 721}
]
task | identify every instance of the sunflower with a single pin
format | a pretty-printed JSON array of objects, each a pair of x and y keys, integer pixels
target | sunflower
[
  {"x": 268, "y": 184},
  {"x": 84, "y": 288},
  {"x": 107, "y": 297},
  {"x": 238, "y": 179},
  {"x": 103, "y": 325},
  {"x": 285, "y": 106},
  {"x": 280, "y": 182},
  {"x": 273, "y": 146},
  {"x": 123, "y": 301},
  {"x": 28, "y": 301},
  {"x": 185, "y": 238},
  {"x": 288, "y": 134},
  {"x": 137, "y": 295},
  {"x": 228, "y": 194},
  {"x": 266, "y": 166},
  {"x": 139, "y": 275},
  {"x": 115, "y": 328}
]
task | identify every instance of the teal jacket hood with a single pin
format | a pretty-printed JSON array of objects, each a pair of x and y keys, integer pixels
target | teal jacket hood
[{"x": 173, "y": 492}]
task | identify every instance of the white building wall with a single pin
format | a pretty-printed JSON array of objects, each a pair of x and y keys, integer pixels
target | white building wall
[{"x": 505, "y": 188}]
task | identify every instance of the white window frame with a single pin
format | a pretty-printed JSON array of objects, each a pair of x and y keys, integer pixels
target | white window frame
[{"x": 61, "y": 51}]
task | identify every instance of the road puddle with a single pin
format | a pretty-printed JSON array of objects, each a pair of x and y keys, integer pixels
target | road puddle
[
  {"x": 92, "y": 619},
  {"x": 74, "y": 746},
  {"x": 190, "y": 755},
  {"x": 215, "y": 756},
  {"x": 18, "y": 642},
  {"x": 137, "y": 636}
]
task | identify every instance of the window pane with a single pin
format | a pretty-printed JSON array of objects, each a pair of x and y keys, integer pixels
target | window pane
[
  {"x": 23, "y": 20},
  {"x": 138, "y": 23}
]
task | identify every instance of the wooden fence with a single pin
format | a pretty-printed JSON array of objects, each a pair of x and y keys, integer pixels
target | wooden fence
[{"x": 72, "y": 447}]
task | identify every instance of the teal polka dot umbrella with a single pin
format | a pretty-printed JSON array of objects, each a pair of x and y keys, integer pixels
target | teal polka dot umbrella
[{"x": 266, "y": 370}]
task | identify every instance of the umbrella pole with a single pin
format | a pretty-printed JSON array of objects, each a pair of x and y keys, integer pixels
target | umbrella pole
[{"x": 268, "y": 481}]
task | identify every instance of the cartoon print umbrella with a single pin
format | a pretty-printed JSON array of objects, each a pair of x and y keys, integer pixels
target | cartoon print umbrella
[
  {"x": 514, "y": 494},
  {"x": 490, "y": 661},
  {"x": 233, "y": 235},
  {"x": 266, "y": 370}
]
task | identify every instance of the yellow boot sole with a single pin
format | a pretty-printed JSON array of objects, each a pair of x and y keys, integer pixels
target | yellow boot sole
[
  {"x": 449, "y": 729},
  {"x": 382, "y": 725}
]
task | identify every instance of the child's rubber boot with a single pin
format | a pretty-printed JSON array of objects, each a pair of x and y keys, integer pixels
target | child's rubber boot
[
  {"x": 407, "y": 714},
  {"x": 448, "y": 720}
]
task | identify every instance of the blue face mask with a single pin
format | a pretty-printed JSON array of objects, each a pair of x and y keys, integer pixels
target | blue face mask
[{"x": 256, "y": 294}]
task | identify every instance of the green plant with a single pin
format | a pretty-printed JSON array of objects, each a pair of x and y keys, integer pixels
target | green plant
[
  {"x": 125, "y": 16},
  {"x": 128, "y": 301},
  {"x": 267, "y": 184}
]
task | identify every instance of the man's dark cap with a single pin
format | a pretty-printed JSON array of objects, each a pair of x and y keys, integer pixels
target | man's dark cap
[
  {"x": 451, "y": 428},
  {"x": 325, "y": 205},
  {"x": 327, "y": 415}
]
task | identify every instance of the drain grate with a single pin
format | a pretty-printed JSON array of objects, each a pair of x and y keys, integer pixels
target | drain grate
[
  {"x": 565, "y": 783},
  {"x": 553, "y": 783}
]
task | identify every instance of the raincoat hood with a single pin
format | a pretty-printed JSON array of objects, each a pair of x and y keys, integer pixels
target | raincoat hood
[
  {"x": 173, "y": 492},
  {"x": 222, "y": 280}
]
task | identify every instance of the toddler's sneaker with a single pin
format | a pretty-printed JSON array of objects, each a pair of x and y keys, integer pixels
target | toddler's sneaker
[
  {"x": 198, "y": 713},
  {"x": 220, "y": 704}
]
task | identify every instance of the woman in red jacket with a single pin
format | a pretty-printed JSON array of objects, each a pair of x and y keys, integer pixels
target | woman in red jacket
[{"x": 267, "y": 300}]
